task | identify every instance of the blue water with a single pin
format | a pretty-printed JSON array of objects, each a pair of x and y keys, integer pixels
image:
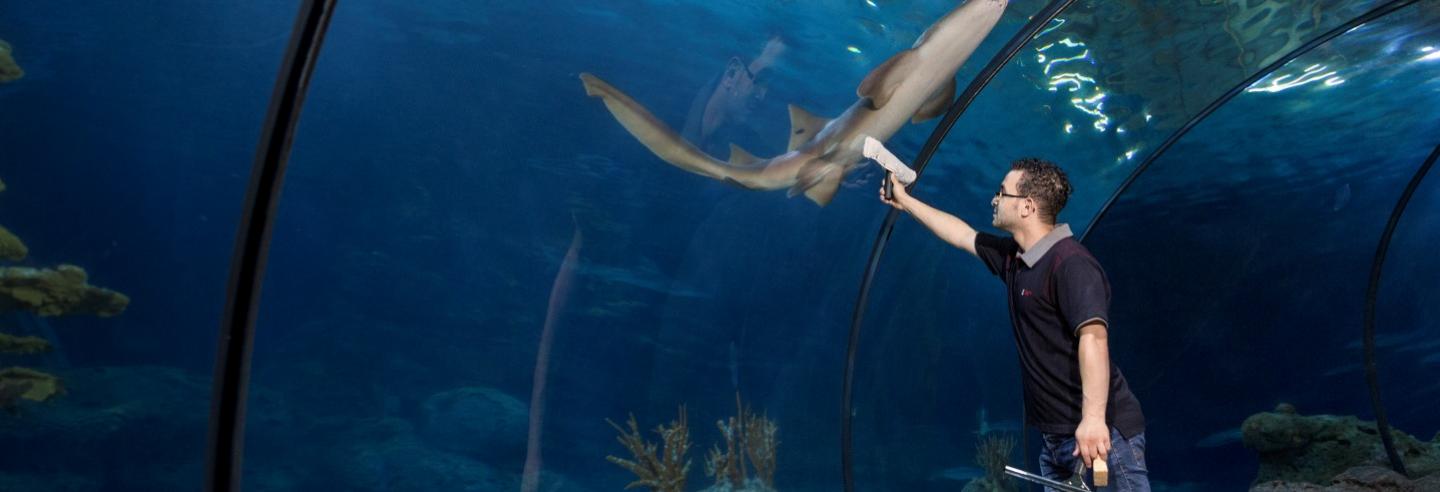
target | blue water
[{"x": 448, "y": 159}]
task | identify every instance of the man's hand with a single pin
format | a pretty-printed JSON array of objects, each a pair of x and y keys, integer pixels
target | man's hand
[
  {"x": 1092, "y": 440},
  {"x": 897, "y": 189}
]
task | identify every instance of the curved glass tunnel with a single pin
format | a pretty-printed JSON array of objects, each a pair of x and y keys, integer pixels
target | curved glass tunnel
[{"x": 474, "y": 266}]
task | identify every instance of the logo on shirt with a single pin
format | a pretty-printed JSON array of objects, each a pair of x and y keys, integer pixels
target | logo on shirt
[{"x": 1026, "y": 293}]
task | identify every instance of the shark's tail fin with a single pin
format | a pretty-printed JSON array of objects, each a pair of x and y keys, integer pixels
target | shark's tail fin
[{"x": 664, "y": 142}]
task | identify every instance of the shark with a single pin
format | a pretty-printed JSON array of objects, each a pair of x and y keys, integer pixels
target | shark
[{"x": 914, "y": 85}]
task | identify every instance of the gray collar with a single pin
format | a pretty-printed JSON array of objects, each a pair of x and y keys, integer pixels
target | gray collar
[{"x": 1034, "y": 254}]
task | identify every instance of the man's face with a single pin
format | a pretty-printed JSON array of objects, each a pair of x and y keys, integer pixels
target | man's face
[{"x": 1005, "y": 207}]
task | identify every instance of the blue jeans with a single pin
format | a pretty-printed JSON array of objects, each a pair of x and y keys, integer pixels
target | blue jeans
[{"x": 1127, "y": 461}]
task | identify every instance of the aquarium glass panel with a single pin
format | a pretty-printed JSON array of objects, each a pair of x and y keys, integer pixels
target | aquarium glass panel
[{"x": 127, "y": 132}]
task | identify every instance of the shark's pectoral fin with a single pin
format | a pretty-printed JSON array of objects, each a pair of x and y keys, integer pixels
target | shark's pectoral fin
[
  {"x": 739, "y": 157},
  {"x": 818, "y": 180},
  {"x": 886, "y": 78},
  {"x": 938, "y": 103},
  {"x": 803, "y": 126},
  {"x": 825, "y": 190}
]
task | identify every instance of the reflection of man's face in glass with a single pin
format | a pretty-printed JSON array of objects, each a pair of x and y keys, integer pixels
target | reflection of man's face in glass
[{"x": 735, "y": 97}]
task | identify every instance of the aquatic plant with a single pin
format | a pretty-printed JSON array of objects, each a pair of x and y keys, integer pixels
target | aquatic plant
[
  {"x": 665, "y": 472},
  {"x": 45, "y": 292},
  {"x": 747, "y": 437},
  {"x": 9, "y": 70},
  {"x": 992, "y": 454}
]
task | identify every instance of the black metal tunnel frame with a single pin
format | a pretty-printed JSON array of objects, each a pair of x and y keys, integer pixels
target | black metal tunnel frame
[
  {"x": 1372, "y": 374},
  {"x": 1369, "y": 338},
  {"x": 252, "y": 243},
  {"x": 932, "y": 144}
]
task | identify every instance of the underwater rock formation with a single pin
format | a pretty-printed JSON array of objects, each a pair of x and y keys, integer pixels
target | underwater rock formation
[
  {"x": 1360, "y": 478},
  {"x": 1318, "y": 450},
  {"x": 748, "y": 439},
  {"x": 9, "y": 70},
  {"x": 386, "y": 455},
  {"x": 49, "y": 483},
  {"x": 484, "y": 423}
]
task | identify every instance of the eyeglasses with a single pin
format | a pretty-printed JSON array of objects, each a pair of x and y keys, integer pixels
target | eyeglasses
[{"x": 1002, "y": 193}]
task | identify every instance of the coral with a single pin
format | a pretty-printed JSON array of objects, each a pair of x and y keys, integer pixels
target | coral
[
  {"x": 10, "y": 344},
  {"x": 11, "y": 248},
  {"x": 1316, "y": 449},
  {"x": 19, "y": 382},
  {"x": 63, "y": 290},
  {"x": 747, "y": 437},
  {"x": 46, "y": 292},
  {"x": 663, "y": 473},
  {"x": 9, "y": 70}
]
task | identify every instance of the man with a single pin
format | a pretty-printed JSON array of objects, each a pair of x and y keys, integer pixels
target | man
[
  {"x": 1059, "y": 308},
  {"x": 720, "y": 112}
]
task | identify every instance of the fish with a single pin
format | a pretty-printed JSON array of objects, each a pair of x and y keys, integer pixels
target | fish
[
  {"x": 914, "y": 85},
  {"x": 1225, "y": 437}
]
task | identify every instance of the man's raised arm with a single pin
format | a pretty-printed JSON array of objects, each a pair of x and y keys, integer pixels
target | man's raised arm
[{"x": 948, "y": 228}]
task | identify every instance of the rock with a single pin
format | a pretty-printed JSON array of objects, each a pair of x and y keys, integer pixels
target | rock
[
  {"x": 385, "y": 455},
  {"x": 1357, "y": 479},
  {"x": 1372, "y": 478},
  {"x": 12, "y": 482},
  {"x": 1295, "y": 448},
  {"x": 484, "y": 423}
]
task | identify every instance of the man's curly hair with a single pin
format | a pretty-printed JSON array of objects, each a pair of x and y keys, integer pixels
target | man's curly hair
[{"x": 1044, "y": 182}]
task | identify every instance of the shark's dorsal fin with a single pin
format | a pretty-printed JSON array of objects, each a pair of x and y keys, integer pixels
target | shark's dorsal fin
[
  {"x": 739, "y": 157},
  {"x": 884, "y": 79},
  {"x": 803, "y": 126},
  {"x": 938, "y": 103}
]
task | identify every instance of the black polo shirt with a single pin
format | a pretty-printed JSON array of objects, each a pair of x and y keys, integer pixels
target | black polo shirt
[{"x": 1054, "y": 288}]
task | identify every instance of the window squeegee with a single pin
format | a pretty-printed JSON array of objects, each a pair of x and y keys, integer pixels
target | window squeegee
[{"x": 876, "y": 151}]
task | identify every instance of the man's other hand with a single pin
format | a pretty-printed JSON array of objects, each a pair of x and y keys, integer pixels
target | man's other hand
[{"x": 1092, "y": 440}]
